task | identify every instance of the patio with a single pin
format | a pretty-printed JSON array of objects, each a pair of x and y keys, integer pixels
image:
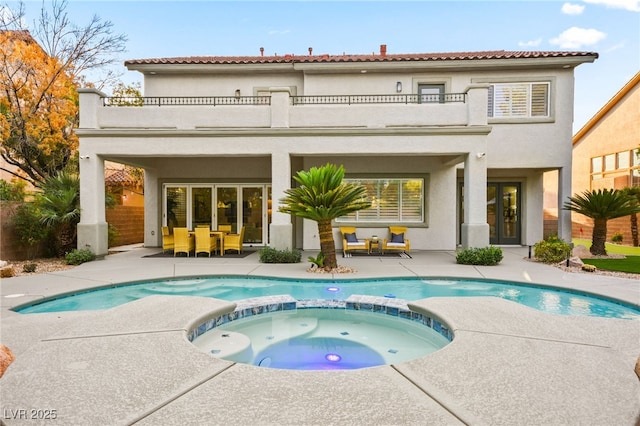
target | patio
[{"x": 133, "y": 364}]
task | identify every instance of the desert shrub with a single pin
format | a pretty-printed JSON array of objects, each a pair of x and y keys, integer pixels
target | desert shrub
[
  {"x": 616, "y": 238},
  {"x": 112, "y": 235},
  {"x": 551, "y": 250},
  {"x": 28, "y": 227},
  {"x": 29, "y": 267},
  {"x": 271, "y": 255},
  {"x": 12, "y": 191},
  {"x": 77, "y": 257},
  {"x": 487, "y": 256}
]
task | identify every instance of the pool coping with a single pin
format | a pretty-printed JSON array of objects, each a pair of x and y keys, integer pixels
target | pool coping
[{"x": 554, "y": 375}]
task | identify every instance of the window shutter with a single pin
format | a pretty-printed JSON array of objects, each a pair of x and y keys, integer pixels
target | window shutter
[{"x": 539, "y": 100}]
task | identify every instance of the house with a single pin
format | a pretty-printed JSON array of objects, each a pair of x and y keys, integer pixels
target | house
[
  {"x": 451, "y": 145},
  {"x": 606, "y": 154}
]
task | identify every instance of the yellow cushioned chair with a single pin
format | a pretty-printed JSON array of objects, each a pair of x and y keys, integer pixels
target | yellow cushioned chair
[
  {"x": 205, "y": 243},
  {"x": 398, "y": 240},
  {"x": 224, "y": 228},
  {"x": 233, "y": 242},
  {"x": 167, "y": 239},
  {"x": 350, "y": 241},
  {"x": 182, "y": 241}
]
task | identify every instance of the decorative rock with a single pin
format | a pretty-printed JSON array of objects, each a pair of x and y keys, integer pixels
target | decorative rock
[
  {"x": 6, "y": 358},
  {"x": 589, "y": 268},
  {"x": 575, "y": 262},
  {"x": 3, "y": 263},
  {"x": 7, "y": 272},
  {"x": 581, "y": 252}
]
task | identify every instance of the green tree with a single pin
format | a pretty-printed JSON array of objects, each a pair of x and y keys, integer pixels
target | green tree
[
  {"x": 59, "y": 204},
  {"x": 28, "y": 226},
  {"x": 39, "y": 73},
  {"x": 634, "y": 194},
  {"x": 601, "y": 205},
  {"x": 323, "y": 196}
]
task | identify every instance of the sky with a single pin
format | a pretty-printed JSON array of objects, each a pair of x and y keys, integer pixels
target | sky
[{"x": 173, "y": 28}]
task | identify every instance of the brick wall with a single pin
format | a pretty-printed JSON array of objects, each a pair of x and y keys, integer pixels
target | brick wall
[
  {"x": 129, "y": 222},
  {"x": 583, "y": 228}
]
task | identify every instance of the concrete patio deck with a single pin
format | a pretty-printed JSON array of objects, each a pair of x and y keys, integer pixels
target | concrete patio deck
[{"x": 132, "y": 364}]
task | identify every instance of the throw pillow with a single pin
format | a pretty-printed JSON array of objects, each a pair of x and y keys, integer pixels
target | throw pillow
[
  {"x": 351, "y": 238},
  {"x": 397, "y": 238}
]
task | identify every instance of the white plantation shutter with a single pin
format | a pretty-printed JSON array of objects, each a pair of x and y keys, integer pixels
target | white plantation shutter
[
  {"x": 392, "y": 200},
  {"x": 518, "y": 100}
]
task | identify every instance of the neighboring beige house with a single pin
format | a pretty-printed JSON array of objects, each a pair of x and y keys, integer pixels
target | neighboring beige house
[
  {"x": 605, "y": 153},
  {"x": 452, "y": 145}
]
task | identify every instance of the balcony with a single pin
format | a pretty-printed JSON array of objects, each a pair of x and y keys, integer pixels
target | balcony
[{"x": 280, "y": 110}]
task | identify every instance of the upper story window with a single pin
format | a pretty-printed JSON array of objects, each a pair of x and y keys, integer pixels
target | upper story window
[
  {"x": 392, "y": 200},
  {"x": 431, "y": 93},
  {"x": 623, "y": 168},
  {"x": 519, "y": 100}
]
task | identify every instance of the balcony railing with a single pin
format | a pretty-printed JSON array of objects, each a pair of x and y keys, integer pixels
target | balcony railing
[
  {"x": 379, "y": 99},
  {"x": 117, "y": 101},
  {"x": 442, "y": 98}
]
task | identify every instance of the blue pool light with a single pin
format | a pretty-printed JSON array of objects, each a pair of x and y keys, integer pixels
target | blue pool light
[
  {"x": 333, "y": 289},
  {"x": 332, "y": 357}
]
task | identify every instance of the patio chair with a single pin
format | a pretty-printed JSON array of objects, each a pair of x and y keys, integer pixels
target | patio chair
[
  {"x": 350, "y": 241},
  {"x": 233, "y": 242},
  {"x": 167, "y": 239},
  {"x": 183, "y": 242},
  {"x": 398, "y": 240},
  {"x": 225, "y": 228},
  {"x": 205, "y": 242}
]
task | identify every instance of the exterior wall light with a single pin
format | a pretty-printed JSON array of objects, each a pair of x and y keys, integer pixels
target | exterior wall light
[{"x": 399, "y": 87}]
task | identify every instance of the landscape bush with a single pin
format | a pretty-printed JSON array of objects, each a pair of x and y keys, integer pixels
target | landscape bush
[
  {"x": 272, "y": 255},
  {"x": 617, "y": 238},
  {"x": 551, "y": 250},
  {"x": 487, "y": 256},
  {"x": 77, "y": 257}
]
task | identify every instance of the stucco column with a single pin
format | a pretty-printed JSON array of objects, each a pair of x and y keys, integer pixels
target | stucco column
[
  {"x": 564, "y": 192},
  {"x": 92, "y": 229},
  {"x": 475, "y": 229},
  {"x": 477, "y": 98},
  {"x": 280, "y": 106},
  {"x": 152, "y": 210},
  {"x": 281, "y": 228},
  {"x": 90, "y": 100}
]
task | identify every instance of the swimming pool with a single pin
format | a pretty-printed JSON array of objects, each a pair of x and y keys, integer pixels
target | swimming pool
[
  {"x": 320, "y": 339},
  {"x": 233, "y": 288}
]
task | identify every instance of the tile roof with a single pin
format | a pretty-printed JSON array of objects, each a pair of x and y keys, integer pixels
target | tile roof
[{"x": 383, "y": 57}]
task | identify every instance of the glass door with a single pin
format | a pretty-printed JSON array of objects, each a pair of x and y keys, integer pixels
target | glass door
[
  {"x": 175, "y": 207},
  {"x": 252, "y": 214},
  {"x": 201, "y": 202},
  {"x": 227, "y": 207},
  {"x": 503, "y": 212}
]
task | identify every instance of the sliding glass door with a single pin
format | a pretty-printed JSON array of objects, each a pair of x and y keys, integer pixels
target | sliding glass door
[{"x": 235, "y": 205}]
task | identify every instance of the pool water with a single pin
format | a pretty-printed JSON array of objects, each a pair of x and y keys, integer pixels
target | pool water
[
  {"x": 320, "y": 339},
  {"x": 234, "y": 288}
]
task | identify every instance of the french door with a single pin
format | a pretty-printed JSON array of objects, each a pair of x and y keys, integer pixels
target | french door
[
  {"x": 191, "y": 205},
  {"x": 503, "y": 212}
]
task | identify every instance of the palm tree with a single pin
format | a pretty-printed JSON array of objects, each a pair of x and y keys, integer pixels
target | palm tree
[
  {"x": 322, "y": 196},
  {"x": 601, "y": 205},
  {"x": 634, "y": 193},
  {"x": 60, "y": 209}
]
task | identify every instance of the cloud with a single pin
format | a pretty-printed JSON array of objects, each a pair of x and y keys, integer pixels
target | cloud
[
  {"x": 531, "y": 43},
  {"x": 575, "y": 38},
  {"x": 630, "y": 5},
  {"x": 572, "y": 9}
]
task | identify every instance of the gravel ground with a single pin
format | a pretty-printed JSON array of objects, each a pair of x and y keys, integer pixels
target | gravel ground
[
  {"x": 53, "y": 265},
  {"x": 43, "y": 266}
]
